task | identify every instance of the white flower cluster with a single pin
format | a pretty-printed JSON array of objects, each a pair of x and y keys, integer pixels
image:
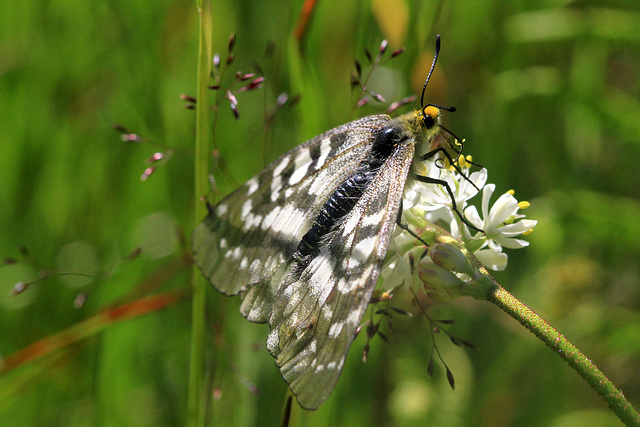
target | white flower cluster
[{"x": 431, "y": 204}]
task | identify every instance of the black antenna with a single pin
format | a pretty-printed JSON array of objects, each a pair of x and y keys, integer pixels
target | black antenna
[{"x": 433, "y": 65}]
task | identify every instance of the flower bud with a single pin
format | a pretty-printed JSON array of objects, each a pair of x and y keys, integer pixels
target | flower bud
[
  {"x": 439, "y": 281},
  {"x": 450, "y": 258}
]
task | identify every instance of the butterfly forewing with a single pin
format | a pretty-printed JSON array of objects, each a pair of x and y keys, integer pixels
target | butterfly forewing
[
  {"x": 246, "y": 242},
  {"x": 319, "y": 306}
]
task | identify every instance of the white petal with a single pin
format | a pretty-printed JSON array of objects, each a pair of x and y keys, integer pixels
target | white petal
[
  {"x": 454, "y": 229},
  {"x": 410, "y": 198},
  {"x": 510, "y": 243},
  {"x": 487, "y": 192},
  {"x": 478, "y": 179},
  {"x": 493, "y": 245},
  {"x": 503, "y": 208},
  {"x": 517, "y": 228},
  {"x": 471, "y": 213},
  {"x": 496, "y": 261}
]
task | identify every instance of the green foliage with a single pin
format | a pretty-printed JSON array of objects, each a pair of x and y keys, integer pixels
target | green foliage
[{"x": 547, "y": 98}]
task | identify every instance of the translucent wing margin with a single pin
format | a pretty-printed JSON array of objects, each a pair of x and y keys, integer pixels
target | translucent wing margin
[
  {"x": 245, "y": 244},
  {"x": 320, "y": 304}
]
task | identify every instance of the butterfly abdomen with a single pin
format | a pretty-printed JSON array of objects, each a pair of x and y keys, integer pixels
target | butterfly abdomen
[
  {"x": 340, "y": 203},
  {"x": 347, "y": 194}
]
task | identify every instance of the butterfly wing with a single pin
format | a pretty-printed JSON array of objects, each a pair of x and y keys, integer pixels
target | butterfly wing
[
  {"x": 319, "y": 306},
  {"x": 246, "y": 242}
]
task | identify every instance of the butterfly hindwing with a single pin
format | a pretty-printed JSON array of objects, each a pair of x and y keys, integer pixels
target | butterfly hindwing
[
  {"x": 245, "y": 244},
  {"x": 320, "y": 304}
]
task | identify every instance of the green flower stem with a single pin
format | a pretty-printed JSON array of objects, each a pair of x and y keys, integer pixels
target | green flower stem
[
  {"x": 203, "y": 142},
  {"x": 568, "y": 352},
  {"x": 484, "y": 287}
]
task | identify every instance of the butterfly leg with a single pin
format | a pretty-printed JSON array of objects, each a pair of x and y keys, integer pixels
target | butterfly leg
[
  {"x": 454, "y": 206},
  {"x": 406, "y": 228}
]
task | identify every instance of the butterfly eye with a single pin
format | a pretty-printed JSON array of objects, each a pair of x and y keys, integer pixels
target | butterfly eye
[{"x": 428, "y": 122}]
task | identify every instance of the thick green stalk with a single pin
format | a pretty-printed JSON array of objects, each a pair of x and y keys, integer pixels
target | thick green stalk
[
  {"x": 568, "y": 352},
  {"x": 203, "y": 142}
]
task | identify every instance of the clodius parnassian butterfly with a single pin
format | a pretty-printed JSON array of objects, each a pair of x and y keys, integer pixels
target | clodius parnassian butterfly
[{"x": 303, "y": 241}]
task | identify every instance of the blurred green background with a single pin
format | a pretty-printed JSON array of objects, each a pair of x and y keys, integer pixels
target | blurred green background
[{"x": 547, "y": 99}]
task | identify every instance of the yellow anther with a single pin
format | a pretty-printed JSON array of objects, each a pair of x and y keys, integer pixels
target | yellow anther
[
  {"x": 528, "y": 232},
  {"x": 512, "y": 192},
  {"x": 523, "y": 204}
]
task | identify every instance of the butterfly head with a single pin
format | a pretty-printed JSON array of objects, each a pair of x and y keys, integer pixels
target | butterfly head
[{"x": 429, "y": 116}]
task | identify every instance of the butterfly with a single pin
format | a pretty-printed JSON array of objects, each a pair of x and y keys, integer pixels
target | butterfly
[{"x": 303, "y": 242}]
